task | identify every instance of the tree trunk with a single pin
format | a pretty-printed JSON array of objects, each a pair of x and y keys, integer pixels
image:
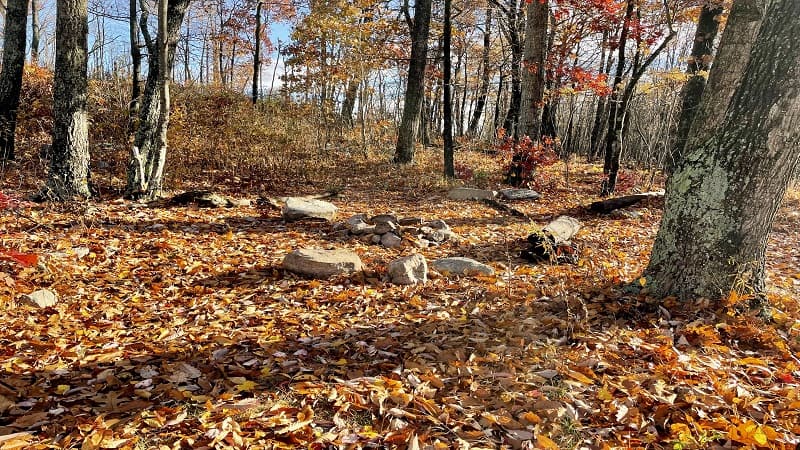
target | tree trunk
[
  {"x": 155, "y": 164},
  {"x": 472, "y": 130},
  {"x": 415, "y": 86},
  {"x": 136, "y": 68},
  {"x": 602, "y": 103},
  {"x": 699, "y": 61},
  {"x": 737, "y": 40},
  {"x": 34, "y": 32},
  {"x": 257, "y": 52},
  {"x": 449, "y": 168},
  {"x": 145, "y": 148},
  {"x": 11, "y": 76},
  {"x": 533, "y": 70},
  {"x": 69, "y": 166},
  {"x": 721, "y": 201},
  {"x": 511, "y": 122},
  {"x": 619, "y": 104},
  {"x": 349, "y": 103}
]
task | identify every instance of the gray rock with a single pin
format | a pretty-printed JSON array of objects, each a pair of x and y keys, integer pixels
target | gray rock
[
  {"x": 625, "y": 214},
  {"x": 387, "y": 227},
  {"x": 410, "y": 221},
  {"x": 42, "y": 298},
  {"x": 339, "y": 234},
  {"x": 358, "y": 225},
  {"x": 440, "y": 236},
  {"x": 376, "y": 238},
  {"x": 318, "y": 263},
  {"x": 391, "y": 240},
  {"x": 367, "y": 238},
  {"x": 461, "y": 266},
  {"x": 422, "y": 243},
  {"x": 519, "y": 194},
  {"x": 410, "y": 269},
  {"x": 383, "y": 218},
  {"x": 437, "y": 224},
  {"x": 297, "y": 208},
  {"x": 463, "y": 193}
]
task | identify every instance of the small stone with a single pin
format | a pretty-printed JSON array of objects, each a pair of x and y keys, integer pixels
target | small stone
[
  {"x": 625, "y": 214},
  {"x": 391, "y": 240},
  {"x": 367, "y": 238},
  {"x": 340, "y": 234},
  {"x": 42, "y": 298},
  {"x": 358, "y": 225},
  {"x": 408, "y": 270},
  {"x": 422, "y": 243},
  {"x": 376, "y": 238},
  {"x": 298, "y": 208},
  {"x": 461, "y": 266},
  {"x": 318, "y": 263},
  {"x": 440, "y": 235},
  {"x": 463, "y": 193}
]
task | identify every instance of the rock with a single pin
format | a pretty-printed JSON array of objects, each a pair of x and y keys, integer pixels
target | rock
[
  {"x": 42, "y": 298},
  {"x": 410, "y": 221},
  {"x": 339, "y": 234},
  {"x": 391, "y": 240},
  {"x": 438, "y": 224},
  {"x": 203, "y": 199},
  {"x": 297, "y": 208},
  {"x": 367, "y": 238},
  {"x": 410, "y": 269},
  {"x": 422, "y": 243},
  {"x": 625, "y": 214},
  {"x": 463, "y": 193},
  {"x": 318, "y": 263},
  {"x": 376, "y": 238},
  {"x": 383, "y": 218},
  {"x": 440, "y": 236},
  {"x": 519, "y": 194},
  {"x": 461, "y": 266},
  {"x": 387, "y": 227},
  {"x": 358, "y": 225}
]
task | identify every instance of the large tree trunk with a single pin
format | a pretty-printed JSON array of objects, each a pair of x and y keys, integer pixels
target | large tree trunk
[
  {"x": 699, "y": 62},
  {"x": 34, "y": 32},
  {"x": 145, "y": 149},
  {"x": 722, "y": 200},
  {"x": 511, "y": 122},
  {"x": 11, "y": 76},
  {"x": 483, "y": 92},
  {"x": 732, "y": 56},
  {"x": 349, "y": 103},
  {"x": 533, "y": 70},
  {"x": 415, "y": 86},
  {"x": 155, "y": 166},
  {"x": 449, "y": 168},
  {"x": 69, "y": 166}
]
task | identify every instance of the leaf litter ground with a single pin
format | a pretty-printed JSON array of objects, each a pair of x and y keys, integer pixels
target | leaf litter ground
[{"x": 177, "y": 328}]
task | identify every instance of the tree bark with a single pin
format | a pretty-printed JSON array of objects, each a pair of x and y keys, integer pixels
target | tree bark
[
  {"x": 415, "y": 86},
  {"x": 11, "y": 75},
  {"x": 449, "y": 168},
  {"x": 721, "y": 201},
  {"x": 699, "y": 62},
  {"x": 136, "y": 67},
  {"x": 483, "y": 92},
  {"x": 732, "y": 56},
  {"x": 155, "y": 167},
  {"x": 69, "y": 166},
  {"x": 34, "y": 32},
  {"x": 145, "y": 148},
  {"x": 533, "y": 70},
  {"x": 349, "y": 103}
]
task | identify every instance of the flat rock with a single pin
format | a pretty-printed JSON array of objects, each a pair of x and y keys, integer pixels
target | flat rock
[
  {"x": 387, "y": 227},
  {"x": 298, "y": 208},
  {"x": 410, "y": 221},
  {"x": 42, "y": 298},
  {"x": 437, "y": 224},
  {"x": 519, "y": 194},
  {"x": 463, "y": 193},
  {"x": 383, "y": 218},
  {"x": 318, "y": 263},
  {"x": 408, "y": 270},
  {"x": 461, "y": 266}
]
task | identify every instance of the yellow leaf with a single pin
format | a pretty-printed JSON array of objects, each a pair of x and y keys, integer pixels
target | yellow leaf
[
  {"x": 604, "y": 394},
  {"x": 579, "y": 377},
  {"x": 545, "y": 443},
  {"x": 247, "y": 386},
  {"x": 642, "y": 281},
  {"x": 62, "y": 388}
]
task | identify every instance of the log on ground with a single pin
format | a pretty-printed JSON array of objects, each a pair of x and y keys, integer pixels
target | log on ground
[{"x": 611, "y": 204}]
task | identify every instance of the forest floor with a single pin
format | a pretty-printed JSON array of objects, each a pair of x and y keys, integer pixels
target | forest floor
[{"x": 177, "y": 328}]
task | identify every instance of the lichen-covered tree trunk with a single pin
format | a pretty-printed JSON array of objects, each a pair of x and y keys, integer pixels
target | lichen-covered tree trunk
[
  {"x": 699, "y": 62},
  {"x": 69, "y": 166},
  {"x": 533, "y": 70},
  {"x": 722, "y": 200},
  {"x": 415, "y": 85},
  {"x": 145, "y": 148},
  {"x": 11, "y": 75}
]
